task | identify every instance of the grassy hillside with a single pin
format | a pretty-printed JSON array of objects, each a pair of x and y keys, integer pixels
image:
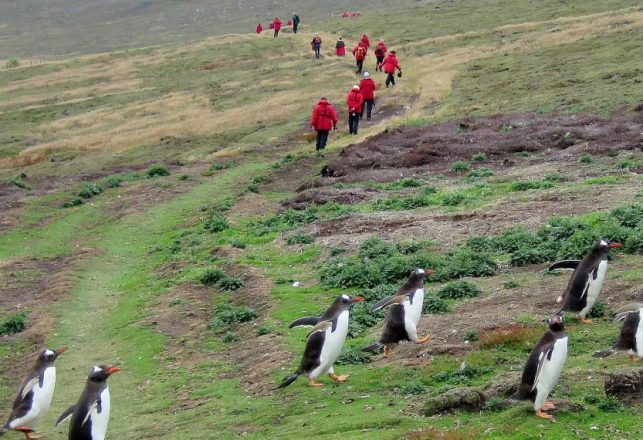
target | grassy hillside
[{"x": 143, "y": 219}]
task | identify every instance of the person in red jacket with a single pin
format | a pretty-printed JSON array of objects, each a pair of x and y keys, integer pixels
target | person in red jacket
[
  {"x": 380, "y": 53},
  {"x": 276, "y": 25},
  {"x": 367, "y": 87},
  {"x": 355, "y": 101},
  {"x": 360, "y": 53},
  {"x": 324, "y": 118},
  {"x": 389, "y": 65},
  {"x": 340, "y": 48},
  {"x": 259, "y": 28},
  {"x": 365, "y": 42}
]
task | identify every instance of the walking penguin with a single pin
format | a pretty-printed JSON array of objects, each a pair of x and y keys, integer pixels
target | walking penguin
[
  {"x": 630, "y": 340},
  {"x": 34, "y": 395},
  {"x": 325, "y": 342},
  {"x": 404, "y": 313},
  {"x": 586, "y": 281},
  {"x": 543, "y": 368},
  {"x": 90, "y": 415}
]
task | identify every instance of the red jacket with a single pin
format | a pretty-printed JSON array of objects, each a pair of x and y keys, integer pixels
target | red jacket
[
  {"x": 276, "y": 24},
  {"x": 390, "y": 64},
  {"x": 365, "y": 42},
  {"x": 324, "y": 116},
  {"x": 355, "y": 101},
  {"x": 259, "y": 28},
  {"x": 359, "y": 52},
  {"x": 367, "y": 87},
  {"x": 380, "y": 50}
]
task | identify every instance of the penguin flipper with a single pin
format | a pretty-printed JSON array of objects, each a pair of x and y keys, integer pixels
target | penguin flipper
[
  {"x": 565, "y": 264},
  {"x": 308, "y": 321},
  {"x": 545, "y": 355},
  {"x": 388, "y": 301},
  {"x": 321, "y": 326},
  {"x": 66, "y": 415}
]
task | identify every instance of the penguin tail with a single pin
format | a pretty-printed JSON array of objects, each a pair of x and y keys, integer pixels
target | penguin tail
[
  {"x": 373, "y": 347},
  {"x": 288, "y": 380},
  {"x": 604, "y": 353}
]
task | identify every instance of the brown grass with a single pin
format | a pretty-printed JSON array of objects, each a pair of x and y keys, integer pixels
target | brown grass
[{"x": 509, "y": 335}]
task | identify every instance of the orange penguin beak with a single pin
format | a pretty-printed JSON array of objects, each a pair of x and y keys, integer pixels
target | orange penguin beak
[
  {"x": 113, "y": 369},
  {"x": 61, "y": 351},
  {"x": 430, "y": 271},
  {"x": 615, "y": 245},
  {"x": 357, "y": 299}
]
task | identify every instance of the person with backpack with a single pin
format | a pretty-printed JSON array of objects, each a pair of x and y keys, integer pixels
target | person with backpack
[
  {"x": 389, "y": 65},
  {"x": 355, "y": 101},
  {"x": 316, "y": 44},
  {"x": 340, "y": 48},
  {"x": 365, "y": 42},
  {"x": 276, "y": 25},
  {"x": 295, "y": 22},
  {"x": 367, "y": 87},
  {"x": 360, "y": 53},
  {"x": 380, "y": 53},
  {"x": 259, "y": 28},
  {"x": 324, "y": 118}
]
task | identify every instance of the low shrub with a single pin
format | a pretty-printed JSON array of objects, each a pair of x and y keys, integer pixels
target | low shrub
[
  {"x": 74, "y": 202},
  {"x": 633, "y": 165},
  {"x": 610, "y": 404},
  {"x": 598, "y": 310},
  {"x": 13, "y": 324},
  {"x": 212, "y": 276},
  {"x": 226, "y": 315},
  {"x": 230, "y": 283},
  {"x": 408, "y": 182},
  {"x": 530, "y": 184},
  {"x": 89, "y": 190},
  {"x": 434, "y": 305},
  {"x": 265, "y": 329},
  {"x": 17, "y": 182},
  {"x": 479, "y": 157},
  {"x": 480, "y": 172},
  {"x": 300, "y": 239},
  {"x": 362, "y": 319},
  {"x": 216, "y": 224},
  {"x": 471, "y": 336},
  {"x": 414, "y": 387},
  {"x": 220, "y": 166},
  {"x": 236, "y": 243},
  {"x": 157, "y": 171},
  {"x": 459, "y": 166},
  {"x": 459, "y": 290},
  {"x": 460, "y": 376},
  {"x": 634, "y": 242},
  {"x": 230, "y": 337},
  {"x": 114, "y": 181},
  {"x": 253, "y": 188},
  {"x": 353, "y": 356},
  {"x": 376, "y": 247},
  {"x": 586, "y": 158},
  {"x": 510, "y": 284},
  {"x": 453, "y": 199}
]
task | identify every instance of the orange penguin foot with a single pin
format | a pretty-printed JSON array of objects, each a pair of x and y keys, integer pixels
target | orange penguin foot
[
  {"x": 387, "y": 351},
  {"x": 314, "y": 383},
  {"x": 547, "y": 406},
  {"x": 543, "y": 415},
  {"x": 28, "y": 432},
  {"x": 424, "y": 340},
  {"x": 633, "y": 358},
  {"x": 585, "y": 320},
  {"x": 337, "y": 378}
]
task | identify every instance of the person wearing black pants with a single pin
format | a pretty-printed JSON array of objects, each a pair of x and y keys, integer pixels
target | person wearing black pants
[
  {"x": 322, "y": 138},
  {"x": 355, "y": 101},
  {"x": 295, "y": 22},
  {"x": 324, "y": 118},
  {"x": 390, "y": 65}
]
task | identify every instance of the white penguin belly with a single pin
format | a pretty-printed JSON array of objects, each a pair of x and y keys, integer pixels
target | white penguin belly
[
  {"x": 40, "y": 402},
  {"x": 639, "y": 336},
  {"x": 333, "y": 342},
  {"x": 412, "y": 313},
  {"x": 100, "y": 420},
  {"x": 551, "y": 372},
  {"x": 594, "y": 287}
]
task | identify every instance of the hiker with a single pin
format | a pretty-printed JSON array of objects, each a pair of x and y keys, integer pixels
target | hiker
[
  {"x": 365, "y": 42},
  {"x": 360, "y": 53},
  {"x": 295, "y": 22},
  {"x": 289, "y": 23},
  {"x": 380, "y": 53},
  {"x": 340, "y": 48},
  {"x": 259, "y": 28},
  {"x": 324, "y": 118},
  {"x": 367, "y": 87},
  {"x": 389, "y": 65},
  {"x": 316, "y": 44},
  {"x": 355, "y": 101},
  {"x": 276, "y": 25}
]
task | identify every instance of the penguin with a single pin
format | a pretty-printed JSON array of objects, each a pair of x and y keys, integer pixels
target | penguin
[
  {"x": 630, "y": 340},
  {"x": 404, "y": 313},
  {"x": 586, "y": 281},
  {"x": 543, "y": 368},
  {"x": 324, "y": 343},
  {"x": 90, "y": 415},
  {"x": 34, "y": 395}
]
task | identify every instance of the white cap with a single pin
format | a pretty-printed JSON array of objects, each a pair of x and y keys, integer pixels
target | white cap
[
  {"x": 355, "y": 87},
  {"x": 366, "y": 75}
]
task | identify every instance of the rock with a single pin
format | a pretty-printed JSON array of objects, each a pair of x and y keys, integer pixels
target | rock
[
  {"x": 464, "y": 399},
  {"x": 626, "y": 386}
]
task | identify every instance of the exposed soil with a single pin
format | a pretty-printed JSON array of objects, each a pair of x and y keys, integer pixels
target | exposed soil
[
  {"x": 435, "y": 146},
  {"x": 326, "y": 195}
]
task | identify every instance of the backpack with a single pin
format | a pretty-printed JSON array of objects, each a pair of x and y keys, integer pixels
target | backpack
[
  {"x": 379, "y": 51},
  {"x": 360, "y": 52}
]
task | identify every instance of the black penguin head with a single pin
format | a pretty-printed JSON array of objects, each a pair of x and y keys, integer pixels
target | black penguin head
[
  {"x": 100, "y": 373},
  {"x": 421, "y": 274},
  {"x": 556, "y": 323},
  {"x": 49, "y": 356}
]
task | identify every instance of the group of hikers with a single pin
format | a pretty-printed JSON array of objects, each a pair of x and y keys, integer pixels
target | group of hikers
[
  {"x": 276, "y": 25},
  {"x": 361, "y": 98}
]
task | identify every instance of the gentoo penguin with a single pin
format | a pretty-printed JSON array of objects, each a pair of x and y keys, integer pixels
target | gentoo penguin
[
  {"x": 586, "y": 281},
  {"x": 631, "y": 338},
  {"x": 325, "y": 342},
  {"x": 34, "y": 395},
  {"x": 543, "y": 368},
  {"x": 90, "y": 415},
  {"x": 404, "y": 313}
]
